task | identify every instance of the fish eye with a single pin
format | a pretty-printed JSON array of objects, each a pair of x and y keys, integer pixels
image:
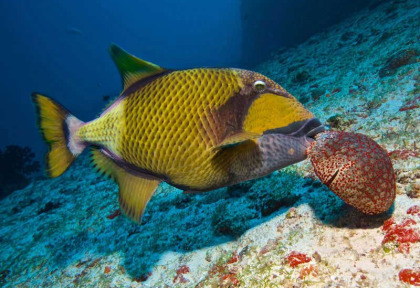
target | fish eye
[{"x": 259, "y": 85}]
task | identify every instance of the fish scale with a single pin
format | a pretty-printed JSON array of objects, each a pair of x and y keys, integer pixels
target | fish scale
[
  {"x": 104, "y": 131},
  {"x": 167, "y": 121}
]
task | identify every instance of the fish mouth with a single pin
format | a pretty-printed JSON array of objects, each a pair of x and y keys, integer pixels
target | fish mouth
[{"x": 308, "y": 128}]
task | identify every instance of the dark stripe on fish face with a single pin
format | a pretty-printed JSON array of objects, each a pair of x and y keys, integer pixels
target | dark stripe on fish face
[
  {"x": 308, "y": 128},
  {"x": 230, "y": 116}
]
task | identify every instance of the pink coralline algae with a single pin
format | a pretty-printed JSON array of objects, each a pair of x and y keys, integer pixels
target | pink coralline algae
[
  {"x": 403, "y": 234},
  {"x": 184, "y": 269},
  {"x": 410, "y": 276},
  {"x": 356, "y": 169},
  {"x": 296, "y": 258},
  {"x": 414, "y": 210}
]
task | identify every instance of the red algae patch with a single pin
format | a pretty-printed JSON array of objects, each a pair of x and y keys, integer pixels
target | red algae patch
[
  {"x": 296, "y": 258},
  {"x": 225, "y": 273},
  {"x": 305, "y": 271},
  {"x": 403, "y": 234},
  {"x": 403, "y": 154},
  {"x": 115, "y": 214},
  {"x": 233, "y": 259},
  {"x": 410, "y": 105},
  {"x": 414, "y": 210},
  {"x": 143, "y": 277},
  {"x": 410, "y": 276},
  {"x": 184, "y": 269}
]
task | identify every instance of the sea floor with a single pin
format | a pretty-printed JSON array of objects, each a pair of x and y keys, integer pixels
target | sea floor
[{"x": 284, "y": 230}]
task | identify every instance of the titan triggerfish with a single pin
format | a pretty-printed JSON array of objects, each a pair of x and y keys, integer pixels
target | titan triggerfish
[{"x": 196, "y": 129}]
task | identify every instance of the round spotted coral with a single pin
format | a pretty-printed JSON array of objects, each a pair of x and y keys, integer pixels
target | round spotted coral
[{"x": 356, "y": 169}]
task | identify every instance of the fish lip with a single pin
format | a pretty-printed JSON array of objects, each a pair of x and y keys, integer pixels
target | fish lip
[
  {"x": 314, "y": 128},
  {"x": 309, "y": 128}
]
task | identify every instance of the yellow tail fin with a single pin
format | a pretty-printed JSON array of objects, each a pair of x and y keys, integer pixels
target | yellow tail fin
[{"x": 58, "y": 128}]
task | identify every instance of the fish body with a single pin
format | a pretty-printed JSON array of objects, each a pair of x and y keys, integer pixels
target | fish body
[
  {"x": 196, "y": 129},
  {"x": 173, "y": 127}
]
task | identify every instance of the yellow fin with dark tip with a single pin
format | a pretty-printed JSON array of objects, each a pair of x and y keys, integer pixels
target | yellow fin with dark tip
[
  {"x": 135, "y": 191},
  {"x": 58, "y": 128},
  {"x": 132, "y": 69},
  {"x": 238, "y": 138}
]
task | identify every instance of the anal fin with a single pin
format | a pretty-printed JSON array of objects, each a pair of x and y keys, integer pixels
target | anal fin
[{"x": 135, "y": 190}]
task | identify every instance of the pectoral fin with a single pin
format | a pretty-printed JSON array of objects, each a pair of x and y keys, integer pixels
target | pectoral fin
[
  {"x": 135, "y": 191},
  {"x": 238, "y": 138}
]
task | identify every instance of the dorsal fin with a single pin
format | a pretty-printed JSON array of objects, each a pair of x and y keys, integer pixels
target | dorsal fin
[{"x": 132, "y": 68}]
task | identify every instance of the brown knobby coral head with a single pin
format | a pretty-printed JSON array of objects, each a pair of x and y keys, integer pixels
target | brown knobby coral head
[{"x": 356, "y": 169}]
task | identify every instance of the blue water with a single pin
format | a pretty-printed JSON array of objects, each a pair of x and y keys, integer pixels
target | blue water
[{"x": 59, "y": 48}]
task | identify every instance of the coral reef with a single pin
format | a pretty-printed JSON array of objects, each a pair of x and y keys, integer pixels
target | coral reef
[
  {"x": 16, "y": 166},
  {"x": 401, "y": 58},
  {"x": 295, "y": 258},
  {"x": 403, "y": 234},
  {"x": 410, "y": 276},
  {"x": 241, "y": 236}
]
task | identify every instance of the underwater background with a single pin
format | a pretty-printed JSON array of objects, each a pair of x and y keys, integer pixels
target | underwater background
[{"x": 354, "y": 64}]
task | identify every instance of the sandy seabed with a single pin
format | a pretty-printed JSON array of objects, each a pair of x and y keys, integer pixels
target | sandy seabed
[{"x": 284, "y": 230}]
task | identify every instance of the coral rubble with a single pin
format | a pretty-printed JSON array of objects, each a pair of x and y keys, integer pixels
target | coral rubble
[{"x": 66, "y": 232}]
